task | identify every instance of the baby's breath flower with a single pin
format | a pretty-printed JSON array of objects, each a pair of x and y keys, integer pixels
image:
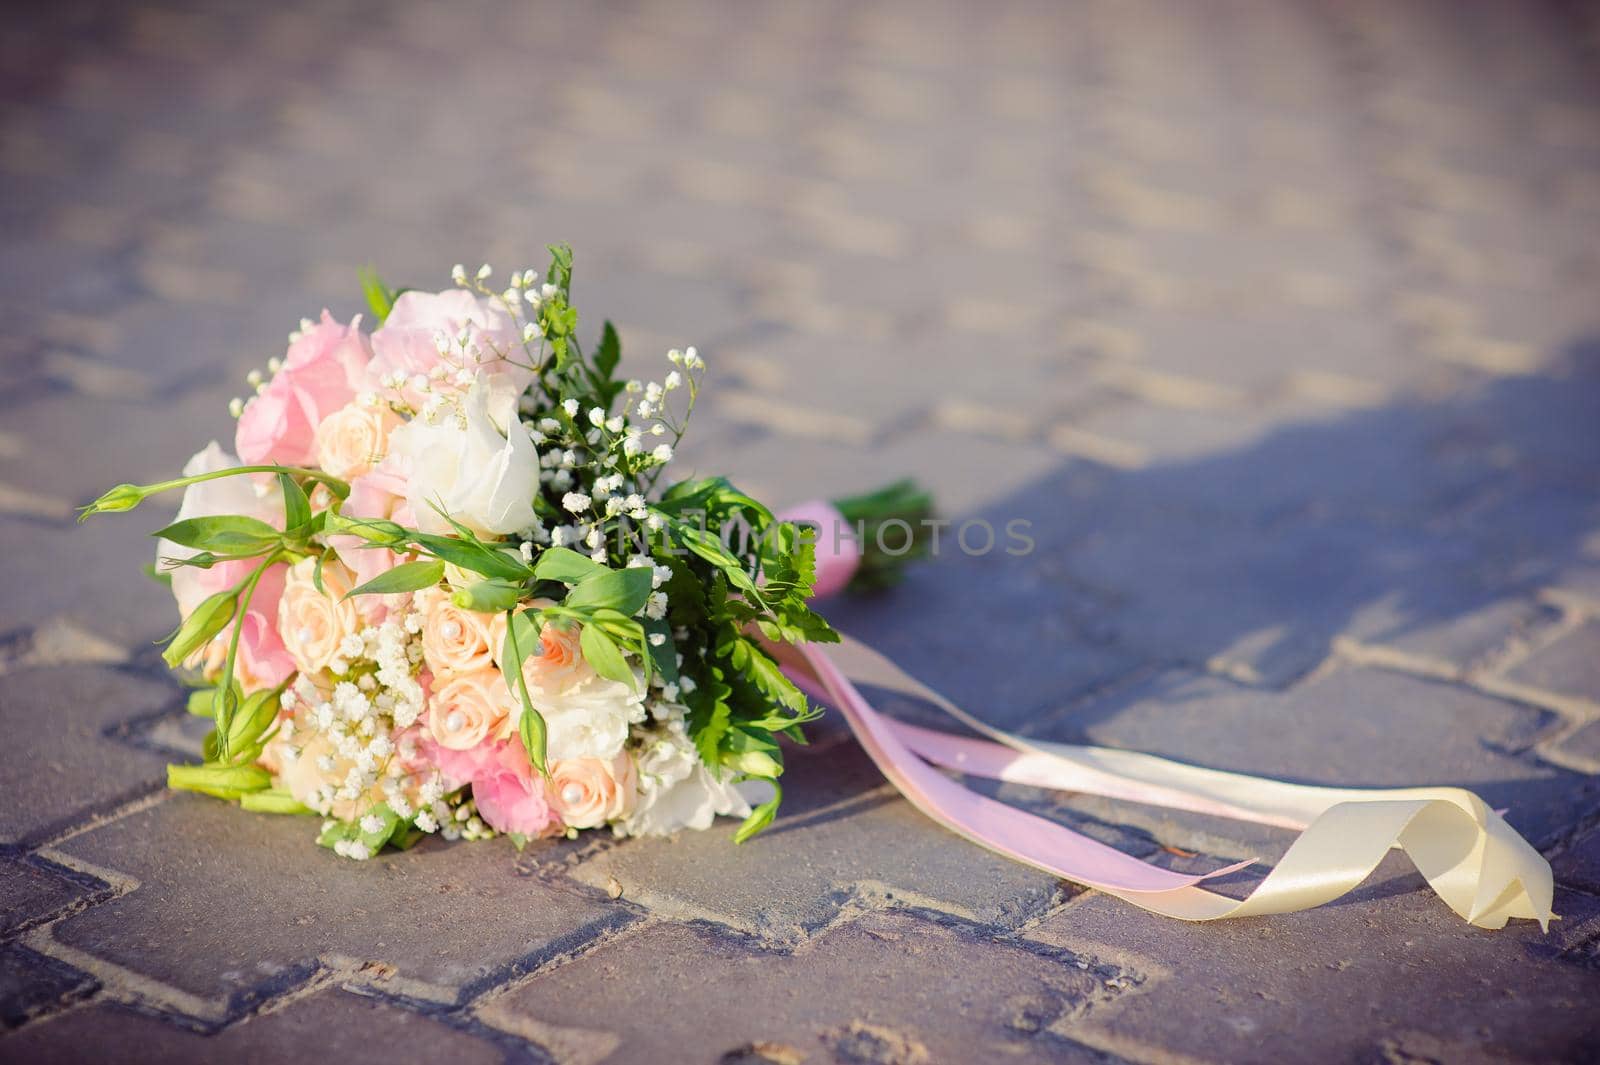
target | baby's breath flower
[{"x": 576, "y": 502}]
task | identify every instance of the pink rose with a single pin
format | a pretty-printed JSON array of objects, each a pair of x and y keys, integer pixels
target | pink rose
[
  {"x": 407, "y": 344},
  {"x": 512, "y": 798},
  {"x": 323, "y": 369}
]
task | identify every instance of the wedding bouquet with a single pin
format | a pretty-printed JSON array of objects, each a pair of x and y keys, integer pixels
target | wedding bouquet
[{"x": 444, "y": 584}]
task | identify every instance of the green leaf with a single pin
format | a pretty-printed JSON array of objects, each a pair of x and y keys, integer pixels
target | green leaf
[
  {"x": 406, "y": 577},
  {"x": 565, "y": 565},
  {"x": 223, "y": 781},
  {"x": 226, "y": 534},
  {"x": 752, "y": 661},
  {"x": 752, "y": 754},
  {"x": 664, "y": 654},
  {"x": 379, "y": 296},
  {"x": 473, "y": 555},
  {"x": 489, "y": 597},
  {"x": 761, "y": 816},
  {"x": 272, "y": 801},
  {"x": 608, "y": 352},
  {"x": 708, "y": 546},
  {"x": 210, "y": 617},
  {"x": 560, "y": 272},
  {"x": 601, "y": 652},
  {"x": 622, "y": 590},
  {"x": 296, "y": 506},
  {"x": 522, "y": 639}
]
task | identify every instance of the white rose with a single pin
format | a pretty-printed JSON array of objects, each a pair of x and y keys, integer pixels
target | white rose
[
  {"x": 588, "y": 720},
  {"x": 677, "y": 791},
  {"x": 483, "y": 477}
]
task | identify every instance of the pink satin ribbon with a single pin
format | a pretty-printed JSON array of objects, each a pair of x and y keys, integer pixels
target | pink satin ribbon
[{"x": 1470, "y": 856}]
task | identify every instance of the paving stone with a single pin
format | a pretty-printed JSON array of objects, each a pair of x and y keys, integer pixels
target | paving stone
[
  {"x": 1578, "y": 864},
  {"x": 30, "y": 891},
  {"x": 1352, "y": 727},
  {"x": 30, "y": 985},
  {"x": 1569, "y": 666},
  {"x": 1423, "y": 984},
  {"x": 840, "y": 838},
  {"x": 328, "y": 1025},
  {"x": 64, "y": 766},
  {"x": 436, "y": 915},
  {"x": 1274, "y": 320},
  {"x": 149, "y": 447},
  {"x": 1457, "y": 634},
  {"x": 870, "y": 995},
  {"x": 95, "y": 581}
]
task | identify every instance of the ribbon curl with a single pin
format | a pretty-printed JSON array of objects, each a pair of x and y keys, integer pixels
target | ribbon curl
[{"x": 1469, "y": 855}]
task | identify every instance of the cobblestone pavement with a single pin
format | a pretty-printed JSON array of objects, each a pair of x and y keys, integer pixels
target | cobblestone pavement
[{"x": 1278, "y": 320}]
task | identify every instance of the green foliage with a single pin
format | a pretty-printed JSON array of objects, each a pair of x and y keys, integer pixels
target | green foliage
[
  {"x": 379, "y": 296},
  {"x": 406, "y": 577},
  {"x": 622, "y": 590},
  {"x": 223, "y": 534}
]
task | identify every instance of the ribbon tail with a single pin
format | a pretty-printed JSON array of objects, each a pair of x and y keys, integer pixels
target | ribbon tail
[{"x": 1478, "y": 865}]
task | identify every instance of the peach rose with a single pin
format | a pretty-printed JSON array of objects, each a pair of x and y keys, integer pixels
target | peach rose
[
  {"x": 454, "y": 640},
  {"x": 470, "y": 708},
  {"x": 559, "y": 665},
  {"x": 589, "y": 792},
  {"x": 354, "y": 439},
  {"x": 311, "y": 622}
]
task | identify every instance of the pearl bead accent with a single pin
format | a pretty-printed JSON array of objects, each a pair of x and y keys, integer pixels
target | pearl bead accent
[
  {"x": 571, "y": 794},
  {"x": 455, "y": 722},
  {"x": 303, "y": 635},
  {"x": 450, "y": 630}
]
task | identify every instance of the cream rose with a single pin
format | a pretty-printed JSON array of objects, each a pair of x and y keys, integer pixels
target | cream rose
[
  {"x": 456, "y": 641},
  {"x": 354, "y": 439},
  {"x": 470, "y": 708},
  {"x": 590, "y": 720},
  {"x": 313, "y": 623},
  {"x": 677, "y": 791},
  {"x": 590, "y": 792}
]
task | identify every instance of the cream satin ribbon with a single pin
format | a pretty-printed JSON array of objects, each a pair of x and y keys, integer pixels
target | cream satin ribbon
[{"x": 1474, "y": 861}]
